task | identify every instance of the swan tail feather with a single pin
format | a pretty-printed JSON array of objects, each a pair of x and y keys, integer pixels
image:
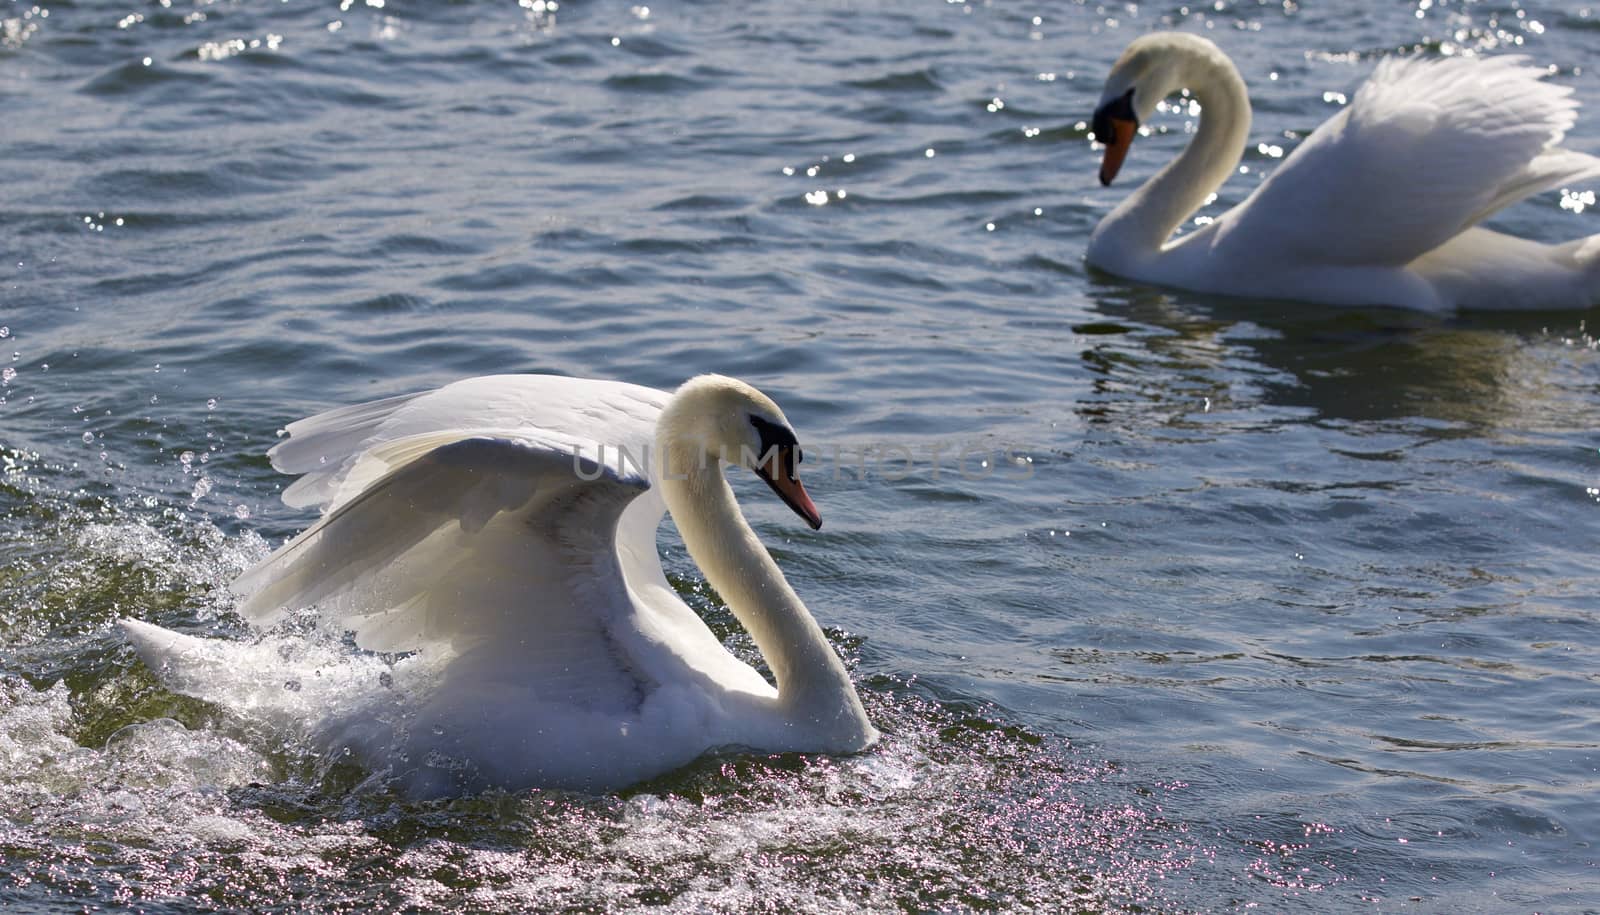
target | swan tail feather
[
  {"x": 1484, "y": 269},
  {"x": 158, "y": 647},
  {"x": 1584, "y": 254}
]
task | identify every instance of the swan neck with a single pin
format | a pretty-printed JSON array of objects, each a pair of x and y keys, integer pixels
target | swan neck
[
  {"x": 808, "y": 672},
  {"x": 1144, "y": 222}
]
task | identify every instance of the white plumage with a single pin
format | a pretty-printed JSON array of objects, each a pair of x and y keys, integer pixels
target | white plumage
[
  {"x": 504, "y": 529},
  {"x": 1379, "y": 206}
]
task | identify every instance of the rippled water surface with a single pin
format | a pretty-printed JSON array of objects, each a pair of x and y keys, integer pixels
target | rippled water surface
[{"x": 1274, "y": 607}]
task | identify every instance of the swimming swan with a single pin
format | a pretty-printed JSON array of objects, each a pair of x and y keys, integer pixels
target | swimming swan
[
  {"x": 504, "y": 528},
  {"x": 1379, "y": 206}
]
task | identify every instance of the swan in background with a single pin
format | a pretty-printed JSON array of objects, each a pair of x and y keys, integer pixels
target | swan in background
[
  {"x": 504, "y": 529},
  {"x": 1379, "y": 206}
]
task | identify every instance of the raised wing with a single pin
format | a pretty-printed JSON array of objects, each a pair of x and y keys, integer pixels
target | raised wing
[
  {"x": 420, "y": 546},
  {"x": 326, "y": 449},
  {"x": 1426, "y": 149},
  {"x": 493, "y": 536}
]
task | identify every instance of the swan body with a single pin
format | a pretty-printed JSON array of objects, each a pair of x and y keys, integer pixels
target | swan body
[
  {"x": 1379, "y": 206},
  {"x": 503, "y": 530}
]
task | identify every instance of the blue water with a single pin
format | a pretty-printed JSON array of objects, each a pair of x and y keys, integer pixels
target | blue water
[{"x": 1254, "y": 605}]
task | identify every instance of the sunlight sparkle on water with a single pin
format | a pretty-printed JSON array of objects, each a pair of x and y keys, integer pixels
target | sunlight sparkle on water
[{"x": 1576, "y": 201}]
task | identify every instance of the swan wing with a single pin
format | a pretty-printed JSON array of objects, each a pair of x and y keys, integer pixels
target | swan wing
[
  {"x": 390, "y": 590},
  {"x": 1426, "y": 149},
  {"x": 324, "y": 449},
  {"x": 493, "y": 538}
]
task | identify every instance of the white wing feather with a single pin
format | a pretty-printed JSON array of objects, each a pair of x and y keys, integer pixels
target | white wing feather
[
  {"x": 491, "y": 536},
  {"x": 326, "y": 448},
  {"x": 494, "y": 542},
  {"x": 1426, "y": 149}
]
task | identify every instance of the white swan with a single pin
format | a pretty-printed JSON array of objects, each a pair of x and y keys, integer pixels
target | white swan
[
  {"x": 1379, "y": 206},
  {"x": 503, "y": 527}
]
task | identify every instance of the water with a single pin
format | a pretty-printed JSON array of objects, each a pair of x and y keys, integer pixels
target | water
[{"x": 1266, "y": 606}]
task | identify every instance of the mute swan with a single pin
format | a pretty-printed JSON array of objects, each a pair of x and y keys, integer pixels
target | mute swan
[
  {"x": 1379, "y": 206},
  {"x": 505, "y": 527}
]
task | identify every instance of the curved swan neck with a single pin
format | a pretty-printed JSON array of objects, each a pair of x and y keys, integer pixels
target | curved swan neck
[
  {"x": 809, "y": 673},
  {"x": 1141, "y": 225}
]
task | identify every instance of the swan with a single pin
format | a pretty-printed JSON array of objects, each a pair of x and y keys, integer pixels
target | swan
[
  {"x": 503, "y": 529},
  {"x": 1379, "y": 206}
]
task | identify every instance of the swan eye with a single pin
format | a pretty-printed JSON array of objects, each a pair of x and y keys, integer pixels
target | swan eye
[
  {"x": 1118, "y": 109},
  {"x": 777, "y": 439}
]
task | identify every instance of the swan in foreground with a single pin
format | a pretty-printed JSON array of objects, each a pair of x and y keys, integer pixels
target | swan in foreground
[
  {"x": 504, "y": 529},
  {"x": 1379, "y": 206}
]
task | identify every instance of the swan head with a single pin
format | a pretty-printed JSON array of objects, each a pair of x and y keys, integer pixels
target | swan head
[
  {"x": 1151, "y": 68},
  {"x": 721, "y": 418}
]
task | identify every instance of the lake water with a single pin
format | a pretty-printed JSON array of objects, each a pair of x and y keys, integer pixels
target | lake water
[{"x": 1254, "y": 605}]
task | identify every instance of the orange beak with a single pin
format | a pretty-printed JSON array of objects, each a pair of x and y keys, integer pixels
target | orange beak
[
  {"x": 1122, "y": 134},
  {"x": 781, "y": 475},
  {"x": 794, "y": 495}
]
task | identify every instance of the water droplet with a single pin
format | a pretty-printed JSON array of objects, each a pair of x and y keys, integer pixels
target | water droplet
[
  {"x": 292, "y": 686},
  {"x": 88, "y": 438},
  {"x": 386, "y": 680},
  {"x": 186, "y": 458},
  {"x": 211, "y": 404}
]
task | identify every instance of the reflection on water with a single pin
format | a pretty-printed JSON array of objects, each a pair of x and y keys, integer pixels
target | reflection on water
[{"x": 1475, "y": 373}]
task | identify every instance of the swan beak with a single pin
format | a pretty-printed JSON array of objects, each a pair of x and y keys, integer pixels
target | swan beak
[
  {"x": 1122, "y": 134},
  {"x": 780, "y": 475},
  {"x": 1115, "y": 124}
]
